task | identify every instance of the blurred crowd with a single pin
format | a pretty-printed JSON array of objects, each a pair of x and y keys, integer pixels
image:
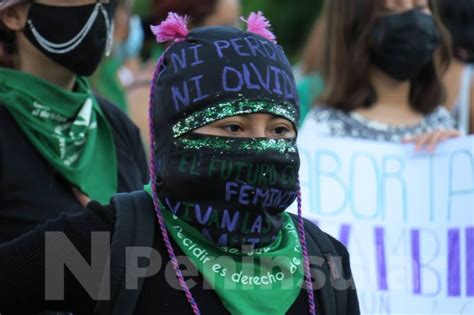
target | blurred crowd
[{"x": 331, "y": 67}]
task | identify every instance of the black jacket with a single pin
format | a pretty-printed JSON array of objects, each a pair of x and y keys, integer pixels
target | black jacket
[
  {"x": 22, "y": 269},
  {"x": 31, "y": 191}
]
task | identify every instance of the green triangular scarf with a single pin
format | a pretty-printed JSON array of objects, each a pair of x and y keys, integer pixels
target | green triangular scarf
[
  {"x": 67, "y": 127},
  {"x": 265, "y": 281}
]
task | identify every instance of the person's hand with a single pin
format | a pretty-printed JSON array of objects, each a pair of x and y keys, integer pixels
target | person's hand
[
  {"x": 80, "y": 196},
  {"x": 429, "y": 141}
]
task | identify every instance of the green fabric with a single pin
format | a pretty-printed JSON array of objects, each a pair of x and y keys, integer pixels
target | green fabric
[
  {"x": 105, "y": 81},
  {"x": 263, "y": 281},
  {"x": 156, "y": 52},
  {"x": 142, "y": 7},
  {"x": 67, "y": 127},
  {"x": 309, "y": 88}
]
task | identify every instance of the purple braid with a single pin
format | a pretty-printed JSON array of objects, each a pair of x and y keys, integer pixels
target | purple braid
[
  {"x": 159, "y": 215},
  {"x": 307, "y": 270}
]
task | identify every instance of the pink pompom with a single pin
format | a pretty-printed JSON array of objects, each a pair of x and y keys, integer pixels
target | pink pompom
[
  {"x": 258, "y": 24},
  {"x": 173, "y": 29}
]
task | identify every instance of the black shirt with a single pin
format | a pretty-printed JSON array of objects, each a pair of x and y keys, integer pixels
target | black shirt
[
  {"x": 31, "y": 191},
  {"x": 22, "y": 268}
]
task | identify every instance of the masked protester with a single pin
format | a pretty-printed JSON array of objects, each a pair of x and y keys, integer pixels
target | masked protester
[
  {"x": 457, "y": 16},
  {"x": 224, "y": 164},
  {"x": 59, "y": 143},
  {"x": 382, "y": 68}
]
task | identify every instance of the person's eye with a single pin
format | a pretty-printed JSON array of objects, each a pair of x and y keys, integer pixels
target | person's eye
[
  {"x": 281, "y": 130},
  {"x": 232, "y": 128}
]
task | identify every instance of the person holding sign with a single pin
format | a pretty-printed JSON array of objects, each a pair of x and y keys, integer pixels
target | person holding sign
[
  {"x": 383, "y": 60},
  {"x": 58, "y": 140},
  {"x": 212, "y": 222}
]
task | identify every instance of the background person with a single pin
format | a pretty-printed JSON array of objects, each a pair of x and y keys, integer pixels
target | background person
[
  {"x": 382, "y": 70},
  {"x": 58, "y": 141}
]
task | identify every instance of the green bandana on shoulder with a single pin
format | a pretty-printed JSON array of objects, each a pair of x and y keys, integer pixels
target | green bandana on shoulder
[
  {"x": 68, "y": 128},
  {"x": 263, "y": 281}
]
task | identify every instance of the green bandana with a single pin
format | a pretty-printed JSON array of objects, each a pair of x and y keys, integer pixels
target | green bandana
[
  {"x": 67, "y": 127},
  {"x": 263, "y": 281}
]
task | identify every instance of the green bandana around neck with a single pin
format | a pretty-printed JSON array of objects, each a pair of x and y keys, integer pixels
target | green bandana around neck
[
  {"x": 263, "y": 281},
  {"x": 68, "y": 128}
]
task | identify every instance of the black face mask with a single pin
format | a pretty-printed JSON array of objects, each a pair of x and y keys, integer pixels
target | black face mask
[
  {"x": 402, "y": 44},
  {"x": 74, "y": 37},
  {"x": 232, "y": 190}
]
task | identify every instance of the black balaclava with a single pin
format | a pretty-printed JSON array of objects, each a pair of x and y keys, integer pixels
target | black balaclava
[
  {"x": 75, "y": 37},
  {"x": 402, "y": 44},
  {"x": 232, "y": 190}
]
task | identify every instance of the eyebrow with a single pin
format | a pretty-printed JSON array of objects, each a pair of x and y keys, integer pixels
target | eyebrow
[{"x": 248, "y": 117}]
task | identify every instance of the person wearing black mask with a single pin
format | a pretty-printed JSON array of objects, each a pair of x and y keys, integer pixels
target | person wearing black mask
[
  {"x": 382, "y": 67},
  {"x": 224, "y": 169},
  {"x": 59, "y": 144},
  {"x": 458, "y": 16}
]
